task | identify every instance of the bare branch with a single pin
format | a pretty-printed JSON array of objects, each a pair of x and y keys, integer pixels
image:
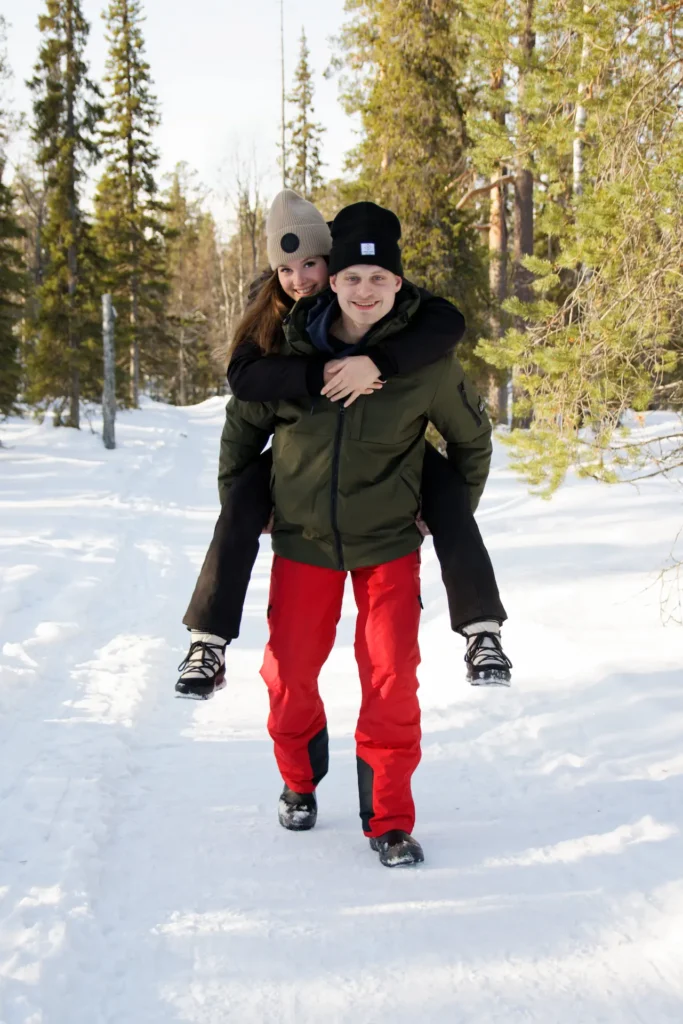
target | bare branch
[{"x": 502, "y": 180}]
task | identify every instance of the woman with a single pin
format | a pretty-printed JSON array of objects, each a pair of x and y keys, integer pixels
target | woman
[
  {"x": 346, "y": 483},
  {"x": 299, "y": 243}
]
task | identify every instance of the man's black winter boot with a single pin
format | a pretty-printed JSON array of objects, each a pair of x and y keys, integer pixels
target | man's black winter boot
[
  {"x": 297, "y": 811},
  {"x": 397, "y": 848}
]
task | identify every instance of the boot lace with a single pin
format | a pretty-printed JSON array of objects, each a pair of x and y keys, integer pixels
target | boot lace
[
  {"x": 208, "y": 664},
  {"x": 491, "y": 656}
]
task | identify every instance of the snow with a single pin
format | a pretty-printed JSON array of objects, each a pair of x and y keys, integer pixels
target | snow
[{"x": 143, "y": 876}]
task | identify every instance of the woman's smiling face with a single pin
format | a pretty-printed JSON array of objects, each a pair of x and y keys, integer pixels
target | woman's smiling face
[{"x": 300, "y": 278}]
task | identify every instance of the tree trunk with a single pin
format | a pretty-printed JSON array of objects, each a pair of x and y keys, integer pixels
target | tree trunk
[
  {"x": 134, "y": 351},
  {"x": 227, "y": 305},
  {"x": 240, "y": 268},
  {"x": 109, "y": 392},
  {"x": 71, "y": 256},
  {"x": 524, "y": 234},
  {"x": 498, "y": 388},
  {"x": 580, "y": 117},
  {"x": 524, "y": 184},
  {"x": 182, "y": 370},
  {"x": 498, "y": 384}
]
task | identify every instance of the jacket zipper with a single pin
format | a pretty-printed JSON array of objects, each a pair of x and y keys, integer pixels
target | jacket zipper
[
  {"x": 335, "y": 485},
  {"x": 463, "y": 395}
]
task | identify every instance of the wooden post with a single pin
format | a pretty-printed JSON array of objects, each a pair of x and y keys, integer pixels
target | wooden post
[{"x": 109, "y": 391}]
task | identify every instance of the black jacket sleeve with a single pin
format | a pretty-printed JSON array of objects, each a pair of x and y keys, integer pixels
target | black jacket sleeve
[
  {"x": 433, "y": 333},
  {"x": 254, "y": 377}
]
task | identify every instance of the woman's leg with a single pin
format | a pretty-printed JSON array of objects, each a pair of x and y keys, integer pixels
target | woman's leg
[
  {"x": 218, "y": 599},
  {"x": 303, "y": 612},
  {"x": 465, "y": 564},
  {"x": 388, "y": 732}
]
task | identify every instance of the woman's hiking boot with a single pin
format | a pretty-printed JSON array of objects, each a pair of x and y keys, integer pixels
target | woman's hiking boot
[
  {"x": 202, "y": 671},
  {"x": 487, "y": 663}
]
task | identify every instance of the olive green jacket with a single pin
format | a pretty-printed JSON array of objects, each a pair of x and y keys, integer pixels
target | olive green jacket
[{"x": 346, "y": 482}]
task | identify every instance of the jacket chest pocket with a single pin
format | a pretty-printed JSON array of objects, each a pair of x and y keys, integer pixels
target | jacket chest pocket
[
  {"x": 385, "y": 417},
  {"x": 314, "y": 417}
]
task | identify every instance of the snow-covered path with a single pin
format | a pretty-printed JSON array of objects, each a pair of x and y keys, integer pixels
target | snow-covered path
[{"x": 143, "y": 876}]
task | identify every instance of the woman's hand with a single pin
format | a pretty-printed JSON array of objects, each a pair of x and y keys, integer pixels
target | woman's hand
[
  {"x": 350, "y": 377},
  {"x": 422, "y": 526},
  {"x": 268, "y": 528}
]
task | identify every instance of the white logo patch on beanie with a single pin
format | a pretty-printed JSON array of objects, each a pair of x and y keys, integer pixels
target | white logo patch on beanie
[{"x": 367, "y": 248}]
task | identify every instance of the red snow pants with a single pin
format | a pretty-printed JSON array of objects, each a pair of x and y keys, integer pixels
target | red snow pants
[{"x": 304, "y": 609}]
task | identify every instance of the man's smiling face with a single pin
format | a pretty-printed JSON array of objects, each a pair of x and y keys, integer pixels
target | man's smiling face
[{"x": 365, "y": 293}]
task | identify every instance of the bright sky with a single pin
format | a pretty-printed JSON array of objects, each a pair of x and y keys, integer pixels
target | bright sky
[{"x": 216, "y": 69}]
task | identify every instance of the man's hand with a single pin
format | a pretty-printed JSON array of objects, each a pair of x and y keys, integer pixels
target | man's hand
[{"x": 350, "y": 377}]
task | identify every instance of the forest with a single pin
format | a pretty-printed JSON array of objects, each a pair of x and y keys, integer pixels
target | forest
[{"x": 532, "y": 149}]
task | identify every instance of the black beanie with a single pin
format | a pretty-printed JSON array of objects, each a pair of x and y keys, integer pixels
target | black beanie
[{"x": 366, "y": 233}]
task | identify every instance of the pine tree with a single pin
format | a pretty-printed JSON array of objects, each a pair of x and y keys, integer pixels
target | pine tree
[
  {"x": 12, "y": 280},
  {"x": 66, "y": 112},
  {"x": 405, "y": 76},
  {"x": 129, "y": 228},
  {"x": 304, "y": 173},
  {"x": 12, "y": 286},
  {"x": 505, "y": 126},
  {"x": 484, "y": 30},
  {"x": 187, "y": 368},
  {"x": 605, "y": 324}
]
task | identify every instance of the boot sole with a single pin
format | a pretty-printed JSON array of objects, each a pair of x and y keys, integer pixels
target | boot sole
[
  {"x": 490, "y": 677},
  {"x": 411, "y": 858},
  {"x": 194, "y": 695},
  {"x": 305, "y": 825},
  {"x": 292, "y": 827}
]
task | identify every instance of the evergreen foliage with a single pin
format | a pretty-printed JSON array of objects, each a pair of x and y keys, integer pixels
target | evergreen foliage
[
  {"x": 186, "y": 368},
  {"x": 405, "y": 75},
  {"x": 128, "y": 225},
  {"x": 12, "y": 278},
  {"x": 66, "y": 111},
  {"x": 532, "y": 148},
  {"x": 304, "y": 171},
  {"x": 605, "y": 324},
  {"x": 12, "y": 285}
]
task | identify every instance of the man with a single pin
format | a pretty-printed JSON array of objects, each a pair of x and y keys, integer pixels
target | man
[{"x": 346, "y": 486}]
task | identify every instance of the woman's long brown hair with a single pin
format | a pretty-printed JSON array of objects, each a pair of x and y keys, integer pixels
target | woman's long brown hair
[{"x": 262, "y": 320}]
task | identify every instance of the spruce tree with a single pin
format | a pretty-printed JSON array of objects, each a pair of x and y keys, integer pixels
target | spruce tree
[
  {"x": 65, "y": 116},
  {"x": 505, "y": 120},
  {"x": 12, "y": 286},
  {"x": 186, "y": 366},
  {"x": 12, "y": 280},
  {"x": 405, "y": 76},
  {"x": 129, "y": 229},
  {"x": 304, "y": 173},
  {"x": 605, "y": 324}
]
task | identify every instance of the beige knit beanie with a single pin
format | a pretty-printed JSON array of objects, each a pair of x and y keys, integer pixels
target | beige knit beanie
[{"x": 295, "y": 230}]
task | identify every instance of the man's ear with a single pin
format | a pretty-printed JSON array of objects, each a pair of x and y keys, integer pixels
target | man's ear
[
  {"x": 333, "y": 283},
  {"x": 398, "y": 283}
]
